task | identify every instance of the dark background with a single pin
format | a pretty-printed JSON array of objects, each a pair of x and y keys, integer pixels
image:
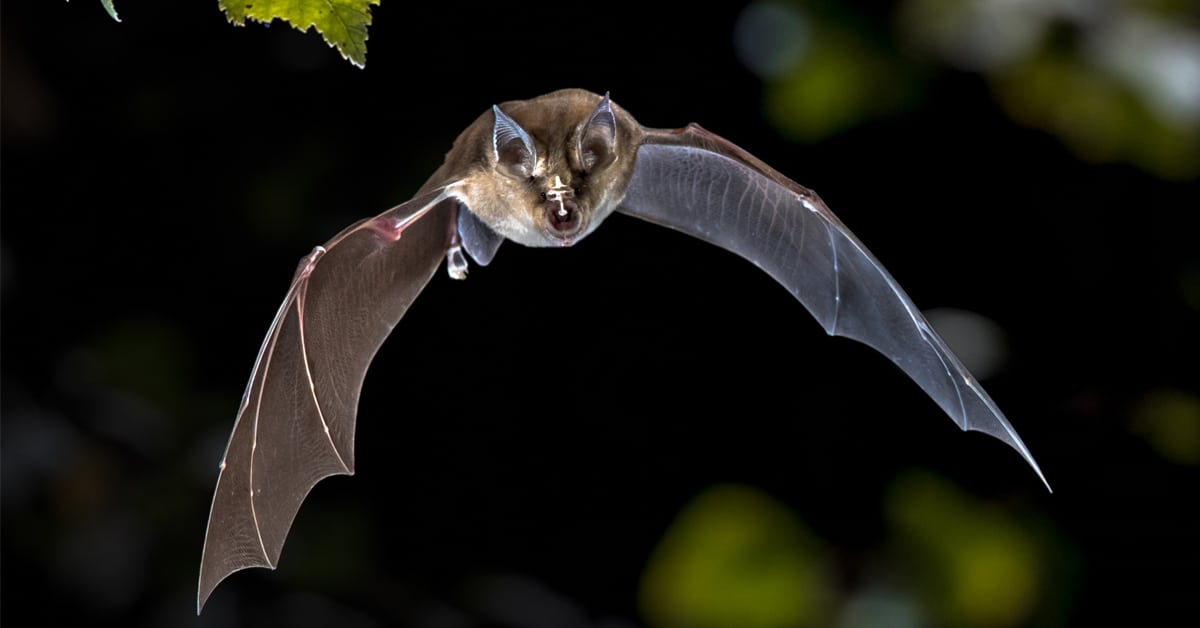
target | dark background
[{"x": 161, "y": 177}]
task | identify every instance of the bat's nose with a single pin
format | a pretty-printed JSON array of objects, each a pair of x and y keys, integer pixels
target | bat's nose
[{"x": 562, "y": 212}]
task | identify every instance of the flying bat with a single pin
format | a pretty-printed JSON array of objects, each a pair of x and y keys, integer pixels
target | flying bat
[{"x": 543, "y": 172}]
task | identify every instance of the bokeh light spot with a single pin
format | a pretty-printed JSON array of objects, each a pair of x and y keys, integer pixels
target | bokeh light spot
[
  {"x": 770, "y": 38},
  {"x": 736, "y": 558},
  {"x": 1170, "y": 420},
  {"x": 977, "y": 565}
]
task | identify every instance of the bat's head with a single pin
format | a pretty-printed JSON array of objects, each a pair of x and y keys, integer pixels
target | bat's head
[{"x": 554, "y": 167}]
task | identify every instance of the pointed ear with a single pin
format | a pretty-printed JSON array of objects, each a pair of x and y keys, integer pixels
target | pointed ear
[
  {"x": 598, "y": 137},
  {"x": 511, "y": 146}
]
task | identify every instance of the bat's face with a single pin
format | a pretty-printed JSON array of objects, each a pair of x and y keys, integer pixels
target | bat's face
[{"x": 555, "y": 167}]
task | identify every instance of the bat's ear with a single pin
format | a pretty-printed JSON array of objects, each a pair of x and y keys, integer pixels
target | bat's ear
[
  {"x": 512, "y": 147},
  {"x": 598, "y": 137}
]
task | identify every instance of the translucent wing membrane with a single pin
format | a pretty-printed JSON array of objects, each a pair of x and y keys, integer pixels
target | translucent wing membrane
[
  {"x": 296, "y": 422},
  {"x": 697, "y": 183}
]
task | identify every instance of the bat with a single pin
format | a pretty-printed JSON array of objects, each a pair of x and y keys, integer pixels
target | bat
[{"x": 543, "y": 172}]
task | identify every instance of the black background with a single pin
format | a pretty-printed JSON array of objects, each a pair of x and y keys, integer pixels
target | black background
[{"x": 161, "y": 176}]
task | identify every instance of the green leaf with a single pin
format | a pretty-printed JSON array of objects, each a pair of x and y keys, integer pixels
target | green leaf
[
  {"x": 108, "y": 6},
  {"x": 343, "y": 23}
]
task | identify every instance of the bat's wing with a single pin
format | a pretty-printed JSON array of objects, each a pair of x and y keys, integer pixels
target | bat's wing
[
  {"x": 698, "y": 183},
  {"x": 296, "y": 422}
]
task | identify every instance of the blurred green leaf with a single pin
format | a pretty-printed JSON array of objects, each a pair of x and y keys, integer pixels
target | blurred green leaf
[
  {"x": 108, "y": 6},
  {"x": 1115, "y": 85},
  {"x": 1100, "y": 118},
  {"x": 1170, "y": 420},
  {"x": 840, "y": 82},
  {"x": 343, "y": 23},
  {"x": 735, "y": 558},
  {"x": 979, "y": 565}
]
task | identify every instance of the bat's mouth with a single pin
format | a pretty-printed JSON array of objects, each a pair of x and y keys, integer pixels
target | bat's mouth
[{"x": 564, "y": 218}]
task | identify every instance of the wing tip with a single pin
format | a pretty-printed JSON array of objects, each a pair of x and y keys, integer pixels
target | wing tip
[
  {"x": 202, "y": 599},
  {"x": 203, "y": 592},
  {"x": 1040, "y": 475},
  {"x": 1017, "y": 443},
  {"x": 205, "y": 589}
]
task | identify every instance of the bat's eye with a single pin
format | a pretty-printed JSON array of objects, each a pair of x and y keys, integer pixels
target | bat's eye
[{"x": 543, "y": 196}]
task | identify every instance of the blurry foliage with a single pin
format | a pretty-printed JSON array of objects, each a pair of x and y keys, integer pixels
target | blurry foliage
[
  {"x": 1101, "y": 119},
  {"x": 1170, "y": 420},
  {"x": 1115, "y": 81},
  {"x": 820, "y": 76},
  {"x": 736, "y": 558},
  {"x": 978, "y": 565}
]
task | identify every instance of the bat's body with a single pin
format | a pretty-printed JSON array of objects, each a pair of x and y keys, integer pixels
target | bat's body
[{"x": 543, "y": 172}]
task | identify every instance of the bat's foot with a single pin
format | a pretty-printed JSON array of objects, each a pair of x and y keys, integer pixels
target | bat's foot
[{"x": 456, "y": 263}]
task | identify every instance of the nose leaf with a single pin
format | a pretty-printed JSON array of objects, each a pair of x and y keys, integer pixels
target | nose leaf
[{"x": 562, "y": 212}]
